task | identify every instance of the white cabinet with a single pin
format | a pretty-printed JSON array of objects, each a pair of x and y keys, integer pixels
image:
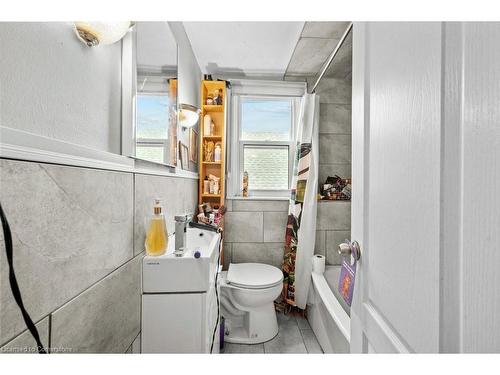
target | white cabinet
[
  {"x": 179, "y": 300},
  {"x": 179, "y": 323}
]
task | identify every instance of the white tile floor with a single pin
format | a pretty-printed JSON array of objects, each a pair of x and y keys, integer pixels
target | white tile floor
[{"x": 295, "y": 336}]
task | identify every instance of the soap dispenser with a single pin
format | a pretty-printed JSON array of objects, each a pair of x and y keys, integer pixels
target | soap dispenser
[{"x": 156, "y": 237}]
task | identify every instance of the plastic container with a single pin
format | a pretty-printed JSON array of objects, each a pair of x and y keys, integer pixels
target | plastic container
[{"x": 156, "y": 236}]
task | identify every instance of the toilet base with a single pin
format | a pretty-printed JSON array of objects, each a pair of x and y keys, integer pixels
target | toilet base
[{"x": 254, "y": 327}]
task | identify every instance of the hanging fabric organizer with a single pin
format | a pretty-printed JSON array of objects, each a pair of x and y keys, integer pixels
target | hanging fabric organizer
[{"x": 301, "y": 224}]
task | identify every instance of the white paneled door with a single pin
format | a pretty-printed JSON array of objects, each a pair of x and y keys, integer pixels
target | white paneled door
[{"x": 426, "y": 185}]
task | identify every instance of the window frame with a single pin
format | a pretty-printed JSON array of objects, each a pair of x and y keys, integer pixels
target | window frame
[
  {"x": 238, "y": 145},
  {"x": 153, "y": 142}
]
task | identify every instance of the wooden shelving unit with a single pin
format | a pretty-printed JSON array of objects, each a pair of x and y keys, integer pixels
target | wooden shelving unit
[{"x": 206, "y": 167}]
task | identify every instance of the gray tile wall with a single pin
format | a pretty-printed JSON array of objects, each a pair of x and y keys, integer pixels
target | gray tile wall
[
  {"x": 316, "y": 43},
  {"x": 334, "y": 217},
  {"x": 178, "y": 196},
  {"x": 73, "y": 234},
  {"x": 255, "y": 231}
]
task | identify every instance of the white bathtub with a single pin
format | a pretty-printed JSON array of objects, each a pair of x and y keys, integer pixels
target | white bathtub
[{"x": 327, "y": 312}]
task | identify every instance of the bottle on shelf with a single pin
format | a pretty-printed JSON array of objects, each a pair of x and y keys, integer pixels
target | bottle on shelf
[
  {"x": 206, "y": 185},
  {"x": 217, "y": 152},
  {"x": 207, "y": 125}
]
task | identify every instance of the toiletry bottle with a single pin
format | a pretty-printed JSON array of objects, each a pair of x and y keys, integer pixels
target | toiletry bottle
[
  {"x": 217, "y": 152},
  {"x": 207, "y": 124},
  {"x": 206, "y": 185},
  {"x": 156, "y": 236}
]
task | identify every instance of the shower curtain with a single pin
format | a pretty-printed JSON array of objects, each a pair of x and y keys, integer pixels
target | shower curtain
[{"x": 301, "y": 225}]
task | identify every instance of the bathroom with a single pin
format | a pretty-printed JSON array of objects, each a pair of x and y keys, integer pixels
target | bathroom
[{"x": 303, "y": 175}]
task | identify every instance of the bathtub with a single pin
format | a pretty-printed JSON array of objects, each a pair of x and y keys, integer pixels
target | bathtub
[{"x": 327, "y": 313}]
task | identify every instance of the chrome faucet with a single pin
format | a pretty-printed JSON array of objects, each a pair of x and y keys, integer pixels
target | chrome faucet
[{"x": 181, "y": 223}]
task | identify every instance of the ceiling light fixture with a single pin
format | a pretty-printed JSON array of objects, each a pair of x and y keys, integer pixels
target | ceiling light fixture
[{"x": 95, "y": 33}]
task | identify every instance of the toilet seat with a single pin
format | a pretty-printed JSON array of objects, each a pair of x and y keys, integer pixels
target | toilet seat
[{"x": 253, "y": 275}]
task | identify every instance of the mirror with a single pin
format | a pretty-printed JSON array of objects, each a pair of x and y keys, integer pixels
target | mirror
[{"x": 156, "y": 93}]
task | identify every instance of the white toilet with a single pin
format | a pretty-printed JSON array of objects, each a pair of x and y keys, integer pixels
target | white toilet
[{"x": 248, "y": 291}]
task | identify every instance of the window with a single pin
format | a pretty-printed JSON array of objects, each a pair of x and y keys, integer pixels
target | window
[
  {"x": 267, "y": 167},
  {"x": 265, "y": 132},
  {"x": 152, "y": 127},
  {"x": 263, "y": 144}
]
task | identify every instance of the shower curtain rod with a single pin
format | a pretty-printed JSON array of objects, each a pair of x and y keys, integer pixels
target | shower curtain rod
[{"x": 330, "y": 58}]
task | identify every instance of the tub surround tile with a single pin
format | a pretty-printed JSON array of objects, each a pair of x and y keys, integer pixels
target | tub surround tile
[
  {"x": 334, "y": 119},
  {"x": 334, "y": 149},
  {"x": 275, "y": 226},
  {"x": 342, "y": 68},
  {"x": 319, "y": 244},
  {"x": 330, "y": 30},
  {"x": 70, "y": 227},
  {"x": 244, "y": 226},
  {"x": 105, "y": 318},
  {"x": 334, "y": 215},
  {"x": 264, "y": 205},
  {"x": 311, "y": 342},
  {"x": 309, "y": 56},
  {"x": 268, "y": 253},
  {"x": 333, "y": 239},
  {"x": 229, "y": 204},
  {"x": 334, "y": 90},
  {"x": 178, "y": 196},
  {"x": 25, "y": 343}
]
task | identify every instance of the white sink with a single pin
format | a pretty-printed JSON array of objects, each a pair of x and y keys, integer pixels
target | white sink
[{"x": 172, "y": 274}]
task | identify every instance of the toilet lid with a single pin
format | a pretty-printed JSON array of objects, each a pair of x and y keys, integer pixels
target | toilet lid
[{"x": 253, "y": 275}]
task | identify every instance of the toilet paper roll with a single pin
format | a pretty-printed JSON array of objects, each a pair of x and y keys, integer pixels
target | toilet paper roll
[{"x": 318, "y": 262}]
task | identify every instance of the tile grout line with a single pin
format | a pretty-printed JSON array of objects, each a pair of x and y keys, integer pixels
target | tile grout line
[{"x": 302, "y": 336}]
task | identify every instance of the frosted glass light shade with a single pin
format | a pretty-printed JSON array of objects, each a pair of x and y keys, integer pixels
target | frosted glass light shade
[
  {"x": 95, "y": 33},
  {"x": 188, "y": 115}
]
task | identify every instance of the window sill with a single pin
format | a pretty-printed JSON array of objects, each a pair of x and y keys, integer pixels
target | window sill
[{"x": 258, "y": 198}]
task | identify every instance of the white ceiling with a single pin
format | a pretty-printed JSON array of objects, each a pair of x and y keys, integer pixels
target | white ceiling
[
  {"x": 244, "y": 49},
  {"x": 156, "y": 46}
]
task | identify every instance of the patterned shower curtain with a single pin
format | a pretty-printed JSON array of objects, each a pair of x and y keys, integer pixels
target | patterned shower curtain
[{"x": 301, "y": 225}]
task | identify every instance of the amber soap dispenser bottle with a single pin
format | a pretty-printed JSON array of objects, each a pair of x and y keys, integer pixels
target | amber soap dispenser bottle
[{"x": 156, "y": 236}]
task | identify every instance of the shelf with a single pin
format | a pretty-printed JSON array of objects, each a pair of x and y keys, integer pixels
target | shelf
[
  {"x": 214, "y": 137},
  {"x": 213, "y": 85},
  {"x": 213, "y": 108},
  {"x": 210, "y": 195},
  {"x": 212, "y": 162}
]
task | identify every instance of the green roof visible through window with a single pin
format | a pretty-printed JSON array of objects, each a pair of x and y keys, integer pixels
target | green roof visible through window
[{"x": 267, "y": 167}]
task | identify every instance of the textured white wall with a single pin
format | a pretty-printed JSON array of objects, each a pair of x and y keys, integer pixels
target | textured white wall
[
  {"x": 188, "y": 70},
  {"x": 189, "y": 75},
  {"x": 53, "y": 85}
]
